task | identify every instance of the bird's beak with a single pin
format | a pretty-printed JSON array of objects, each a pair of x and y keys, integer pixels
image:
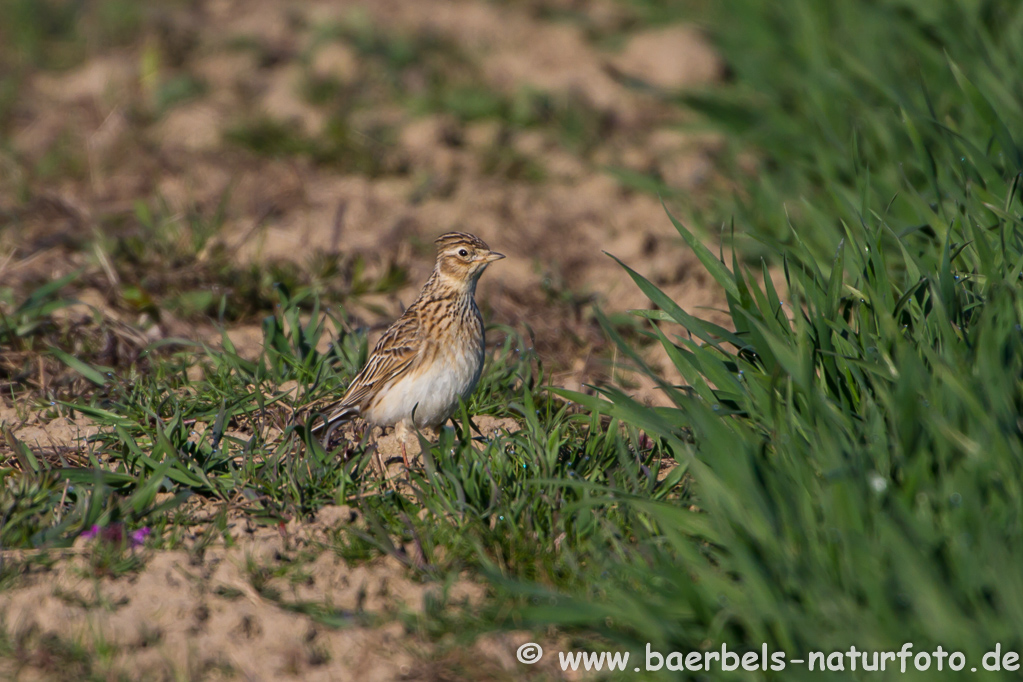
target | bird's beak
[{"x": 493, "y": 255}]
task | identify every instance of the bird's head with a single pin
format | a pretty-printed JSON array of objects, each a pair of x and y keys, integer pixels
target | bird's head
[{"x": 462, "y": 258}]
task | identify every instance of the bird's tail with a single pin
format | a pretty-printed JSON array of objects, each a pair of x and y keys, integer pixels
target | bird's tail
[{"x": 337, "y": 418}]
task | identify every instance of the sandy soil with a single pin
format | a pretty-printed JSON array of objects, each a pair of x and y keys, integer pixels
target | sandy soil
[{"x": 273, "y": 603}]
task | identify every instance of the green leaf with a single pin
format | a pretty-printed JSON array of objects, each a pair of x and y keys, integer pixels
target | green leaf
[
  {"x": 86, "y": 370},
  {"x": 718, "y": 270}
]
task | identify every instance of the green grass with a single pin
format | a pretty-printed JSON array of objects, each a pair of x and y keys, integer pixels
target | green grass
[
  {"x": 339, "y": 146},
  {"x": 176, "y": 261},
  {"x": 56, "y": 35},
  {"x": 824, "y": 107},
  {"x": 472, "y": 495},
  {"x": 428, "y": 74},
  {"x": 51, "y": 657},
  {"x": 854, "y": 442}
]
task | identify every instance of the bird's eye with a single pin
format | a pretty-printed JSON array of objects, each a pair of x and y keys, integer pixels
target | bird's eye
[{"x": 463, "y": 253}]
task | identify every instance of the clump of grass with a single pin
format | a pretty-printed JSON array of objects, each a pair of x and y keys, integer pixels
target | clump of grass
[
  {"x": 63, "y": 158},
  {"x": 572, "y": 121},
  {"x": 47, "y": 504},
  {"x": 431, "y": 75},
  {"x": 267, "y": 137},
  {"x": 856, "y": 453},
  {"x": 653, "y": 13},
  {"x": 177, "y": 261},
  {"x": 112, "y": 551},
  {"x": 32, "y": 315},
  {"x": 40, "y": 31},
  {"x": 824, "y": 108},
  {"x": 58, "y": 35},
  {"x": 46, "y": 358},
  {"x": 365, "y": 152},
  {"x": 29, "y": 651},
  {"x": 506, "y": 162},
  {"x": 397, "y": 51},
  {"x": 175, "y": 90}
]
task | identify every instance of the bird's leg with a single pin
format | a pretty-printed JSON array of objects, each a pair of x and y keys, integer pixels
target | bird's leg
[{"x": 401, "y": 431}]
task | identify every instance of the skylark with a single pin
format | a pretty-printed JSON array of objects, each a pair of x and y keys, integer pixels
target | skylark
[{"x": 432, "y": 356}]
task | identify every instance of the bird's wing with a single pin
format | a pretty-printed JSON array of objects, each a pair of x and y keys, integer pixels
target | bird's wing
[{"x": 394, "y": 354}]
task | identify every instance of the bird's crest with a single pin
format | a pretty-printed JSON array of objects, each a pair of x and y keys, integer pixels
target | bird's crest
[{"x": 450, "y": 239}]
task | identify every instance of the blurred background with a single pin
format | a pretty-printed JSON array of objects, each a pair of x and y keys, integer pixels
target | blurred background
[{"x": 180, "y": 151}]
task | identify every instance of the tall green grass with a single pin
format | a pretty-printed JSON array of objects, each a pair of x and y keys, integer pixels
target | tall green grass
[
  {"x": 820, "y": 91},
  {"x": 856, "y": 444}
]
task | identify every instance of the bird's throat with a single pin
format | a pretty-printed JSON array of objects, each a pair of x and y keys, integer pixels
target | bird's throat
[{"x": 442, "y": 285}]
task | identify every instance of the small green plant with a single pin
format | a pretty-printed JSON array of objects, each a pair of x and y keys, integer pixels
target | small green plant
[
  {"x": 33, "y": 315},
  {"x": 366, "y": 152},
  {"x": 112, "y": 550}
]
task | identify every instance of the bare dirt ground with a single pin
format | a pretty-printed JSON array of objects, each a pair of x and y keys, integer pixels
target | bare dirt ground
[
  {"x": 397, "y": 176},
  {"x": 215, "y": 611}
]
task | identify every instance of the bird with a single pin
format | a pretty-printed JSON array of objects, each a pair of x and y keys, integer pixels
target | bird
[{"x": 432, "y": 356}]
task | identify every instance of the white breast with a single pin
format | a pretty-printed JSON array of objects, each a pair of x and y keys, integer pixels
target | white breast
[{"x": 433, "y": 391}]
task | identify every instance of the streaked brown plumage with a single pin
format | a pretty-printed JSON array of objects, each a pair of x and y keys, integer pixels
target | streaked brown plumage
[{"x": 432, "y": 356}]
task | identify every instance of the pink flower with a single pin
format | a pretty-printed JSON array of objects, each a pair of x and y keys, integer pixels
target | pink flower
[
  {"x": 138, "y": 537},
  {"x": 114, "y": 534}
]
